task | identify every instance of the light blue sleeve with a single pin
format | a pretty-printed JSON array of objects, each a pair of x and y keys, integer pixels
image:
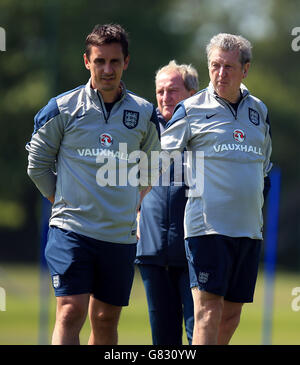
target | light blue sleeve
[{"x": 43, "y": 148}]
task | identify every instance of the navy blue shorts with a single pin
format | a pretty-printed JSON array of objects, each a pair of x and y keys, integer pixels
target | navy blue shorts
[
  {"x": 224, "y": 265},
  {"x": 79, "y": 265}
]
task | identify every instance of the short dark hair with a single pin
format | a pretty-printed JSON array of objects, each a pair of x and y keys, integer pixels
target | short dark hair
[{"x": 106, "y": 34}]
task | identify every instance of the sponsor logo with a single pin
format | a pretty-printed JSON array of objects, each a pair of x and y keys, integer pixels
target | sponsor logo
[
  {"x": 237, "y": 147},
  {"x": 106, "y": 140},
  {"x": 90, "y": 152},
  {"x": 210, "y": 116},
  {"x": 239, "y": 135},
  {"x": 130, "y": 119},
  {"x": 253, "y": 116}
]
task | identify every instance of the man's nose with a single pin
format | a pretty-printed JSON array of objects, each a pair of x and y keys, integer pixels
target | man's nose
[
  {"x": 107, "y": 68},
  {"x": 166, "y": 96},
  {"x": 222, "y": 71}
]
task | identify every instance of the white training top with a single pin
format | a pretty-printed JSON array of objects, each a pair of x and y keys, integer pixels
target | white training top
[{"x": 236, "y": 146}]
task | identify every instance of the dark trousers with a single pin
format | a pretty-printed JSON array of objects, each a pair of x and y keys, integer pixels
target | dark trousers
[{"x": 169, "y": 303}]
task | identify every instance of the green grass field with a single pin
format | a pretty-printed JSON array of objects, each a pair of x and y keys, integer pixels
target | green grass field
[{"x": 19, "y": 324}]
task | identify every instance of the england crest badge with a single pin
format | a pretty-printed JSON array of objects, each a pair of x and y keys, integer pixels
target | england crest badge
[
  {"x": 130, "y": 119},
  {"x": 56, "y": 281},
  {"x": 253, "y": 116}
]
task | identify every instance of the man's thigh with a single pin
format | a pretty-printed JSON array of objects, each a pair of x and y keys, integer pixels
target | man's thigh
[
  {"x": 158, "y": 287},
  {"x": 114, "y": 273},
  {"x": 223, "y": 265},
  {"x": 70, "y": 263},
  {"x": 80, "y": 264}
]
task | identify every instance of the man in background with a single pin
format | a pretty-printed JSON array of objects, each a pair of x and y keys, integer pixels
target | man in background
[{"x": 160, "y": 251}]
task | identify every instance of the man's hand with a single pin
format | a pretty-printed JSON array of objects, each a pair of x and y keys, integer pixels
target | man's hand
[
  {"x": 142, "y": 195},
  {"x": 138, "y": 225},
  {"x": 51, "y": 199}
]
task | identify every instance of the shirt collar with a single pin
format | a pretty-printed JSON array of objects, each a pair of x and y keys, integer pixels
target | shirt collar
[
  {"x": 92, "y": 93},
  {"x": 243, "y": 89}
]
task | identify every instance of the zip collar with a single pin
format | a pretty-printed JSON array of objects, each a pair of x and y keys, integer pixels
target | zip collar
[
  {"x": 97, "y": 98},
  {"x": 244, "y": 94},
  {"x": 93, "y": 95},
  {"x": 244, "y": 91}
]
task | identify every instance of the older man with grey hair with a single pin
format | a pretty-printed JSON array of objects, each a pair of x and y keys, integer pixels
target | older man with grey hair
[
  {"x": 223, "y": 220},
  {"x": 160, "y": 250}
]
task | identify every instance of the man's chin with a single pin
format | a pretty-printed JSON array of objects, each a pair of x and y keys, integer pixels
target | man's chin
[
  {"x": 107, "y": 87},
  {"x": 167, "y": 114}
]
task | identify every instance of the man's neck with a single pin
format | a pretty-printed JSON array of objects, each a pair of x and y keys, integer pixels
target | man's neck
[
  {"x": 110, "y": 97},
  {"x": 110, "y": 101},
  {"x": 234, "y": 99},
  {"x": 237, "y": 99}
]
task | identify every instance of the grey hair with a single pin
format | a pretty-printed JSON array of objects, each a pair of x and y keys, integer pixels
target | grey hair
[
  {"x": 231, "y": 42},
  {"x": 188, "y": 72}
]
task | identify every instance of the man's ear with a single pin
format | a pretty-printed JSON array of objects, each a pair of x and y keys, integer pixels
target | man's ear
[
  {"x": 86, "y": 61},
  {"x": 126, "y": 62},
  {"x": 246, "y": 69}
]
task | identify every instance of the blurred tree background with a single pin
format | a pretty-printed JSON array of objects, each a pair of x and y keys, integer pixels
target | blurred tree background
[{"x": 43, "y": 58}]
